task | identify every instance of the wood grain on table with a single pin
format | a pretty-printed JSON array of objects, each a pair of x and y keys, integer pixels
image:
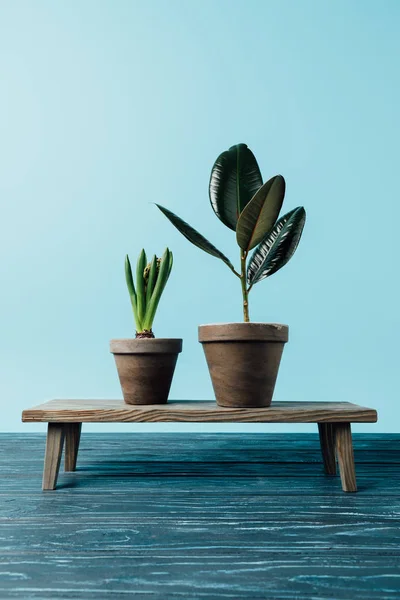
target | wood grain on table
[
  {"x": 191, "y": 411},
  {"x": 200, "y": 517}
]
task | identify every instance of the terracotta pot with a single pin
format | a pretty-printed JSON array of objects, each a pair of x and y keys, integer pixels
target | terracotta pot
[
  {"x": 146, "y": 368},
  {"x": 243, "y": 360}
]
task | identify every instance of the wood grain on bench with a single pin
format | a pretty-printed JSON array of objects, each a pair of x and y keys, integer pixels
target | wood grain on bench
[{"x": 191, "y": 411}]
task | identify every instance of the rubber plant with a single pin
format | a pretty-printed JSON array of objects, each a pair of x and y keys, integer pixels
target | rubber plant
[
  {"x": 151, "y": 279},
  {"x": 251, "y": 209}
]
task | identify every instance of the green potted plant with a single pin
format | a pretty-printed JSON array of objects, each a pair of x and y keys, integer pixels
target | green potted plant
[
  {"x": 146, "y": 364},
  {"x": 244, "y": 358}
]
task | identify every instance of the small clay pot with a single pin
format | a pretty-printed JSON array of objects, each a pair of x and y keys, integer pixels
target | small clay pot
[
  {"x": 146, "y": 368},
  {"x": 243, "y": 360}
]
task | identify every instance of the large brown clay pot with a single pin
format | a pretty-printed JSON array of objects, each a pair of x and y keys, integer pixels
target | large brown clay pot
[
  {"x": 146, "y": 368},
  {"x": 243, "y": 360}
]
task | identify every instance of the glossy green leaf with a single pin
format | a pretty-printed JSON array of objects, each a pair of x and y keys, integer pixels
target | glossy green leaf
[
  {"x": 162, "y": 279},
  {"x": 194, "y": 236},
  {"x": 278, "y": 246},
  {"x": 235, "y": 178},
  {"x": 261, "y": 213},
  {"x": 140, "y": 291}
]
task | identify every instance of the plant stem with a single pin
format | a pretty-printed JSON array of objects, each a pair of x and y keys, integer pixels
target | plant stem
[
  {"x": 235, "y": 272},
  {"x": 243, "y": 257}
]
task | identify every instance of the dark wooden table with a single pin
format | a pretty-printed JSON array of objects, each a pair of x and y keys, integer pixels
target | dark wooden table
[{"x": 65, "y": 418}]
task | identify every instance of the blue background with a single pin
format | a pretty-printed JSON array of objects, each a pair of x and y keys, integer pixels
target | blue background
[{"x": 107, "y": 107}]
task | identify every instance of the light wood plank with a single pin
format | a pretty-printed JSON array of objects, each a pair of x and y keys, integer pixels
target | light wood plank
[
  {"x": 345, "y": 455},
  {"x": 111, "y": 411},
  {"x": 54, "y": 447},
  {"x": 72, "y": 439},
  {"x": 327, "y": 442}
]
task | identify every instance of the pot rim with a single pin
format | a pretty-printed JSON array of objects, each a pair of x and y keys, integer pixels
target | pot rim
[
  {"x": 146, "y": 346},
  {"x": 244, "y": 324},
  {"x": 244, "y": 332}
]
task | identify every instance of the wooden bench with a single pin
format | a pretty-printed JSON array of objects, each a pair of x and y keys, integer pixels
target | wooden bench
[{"x": 65, "y": 418}]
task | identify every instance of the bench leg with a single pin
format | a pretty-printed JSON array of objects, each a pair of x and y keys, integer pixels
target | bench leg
[
  {"x": 327, "y": 441},
  {"x": 72, "y": 439},
  {"x": 345, "y": 455},
  {"x": 54, "y": 447}
]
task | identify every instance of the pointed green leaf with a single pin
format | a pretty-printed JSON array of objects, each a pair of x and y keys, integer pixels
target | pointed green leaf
[
  {"x": 278, "y": 246},
  {"x": 129, "y": 278},
  {"x": 140, "y": 293},
  {"x": 171, "y": 262},
  {"x": 151, "y": 282},
  {"x": 261, "y": 213},
  {"x": 194, "y": 236},
  {"x": 235, "y": 178},
  {"x": 158, "y": 290},
  {"x": 132, "y": 291}
]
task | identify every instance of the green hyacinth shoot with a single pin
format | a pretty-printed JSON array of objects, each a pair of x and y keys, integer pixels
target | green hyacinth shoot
[{"x": 151, "y": 279}]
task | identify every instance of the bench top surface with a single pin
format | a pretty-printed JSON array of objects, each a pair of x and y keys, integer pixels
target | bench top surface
[{"x": 196, "y": 411}]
